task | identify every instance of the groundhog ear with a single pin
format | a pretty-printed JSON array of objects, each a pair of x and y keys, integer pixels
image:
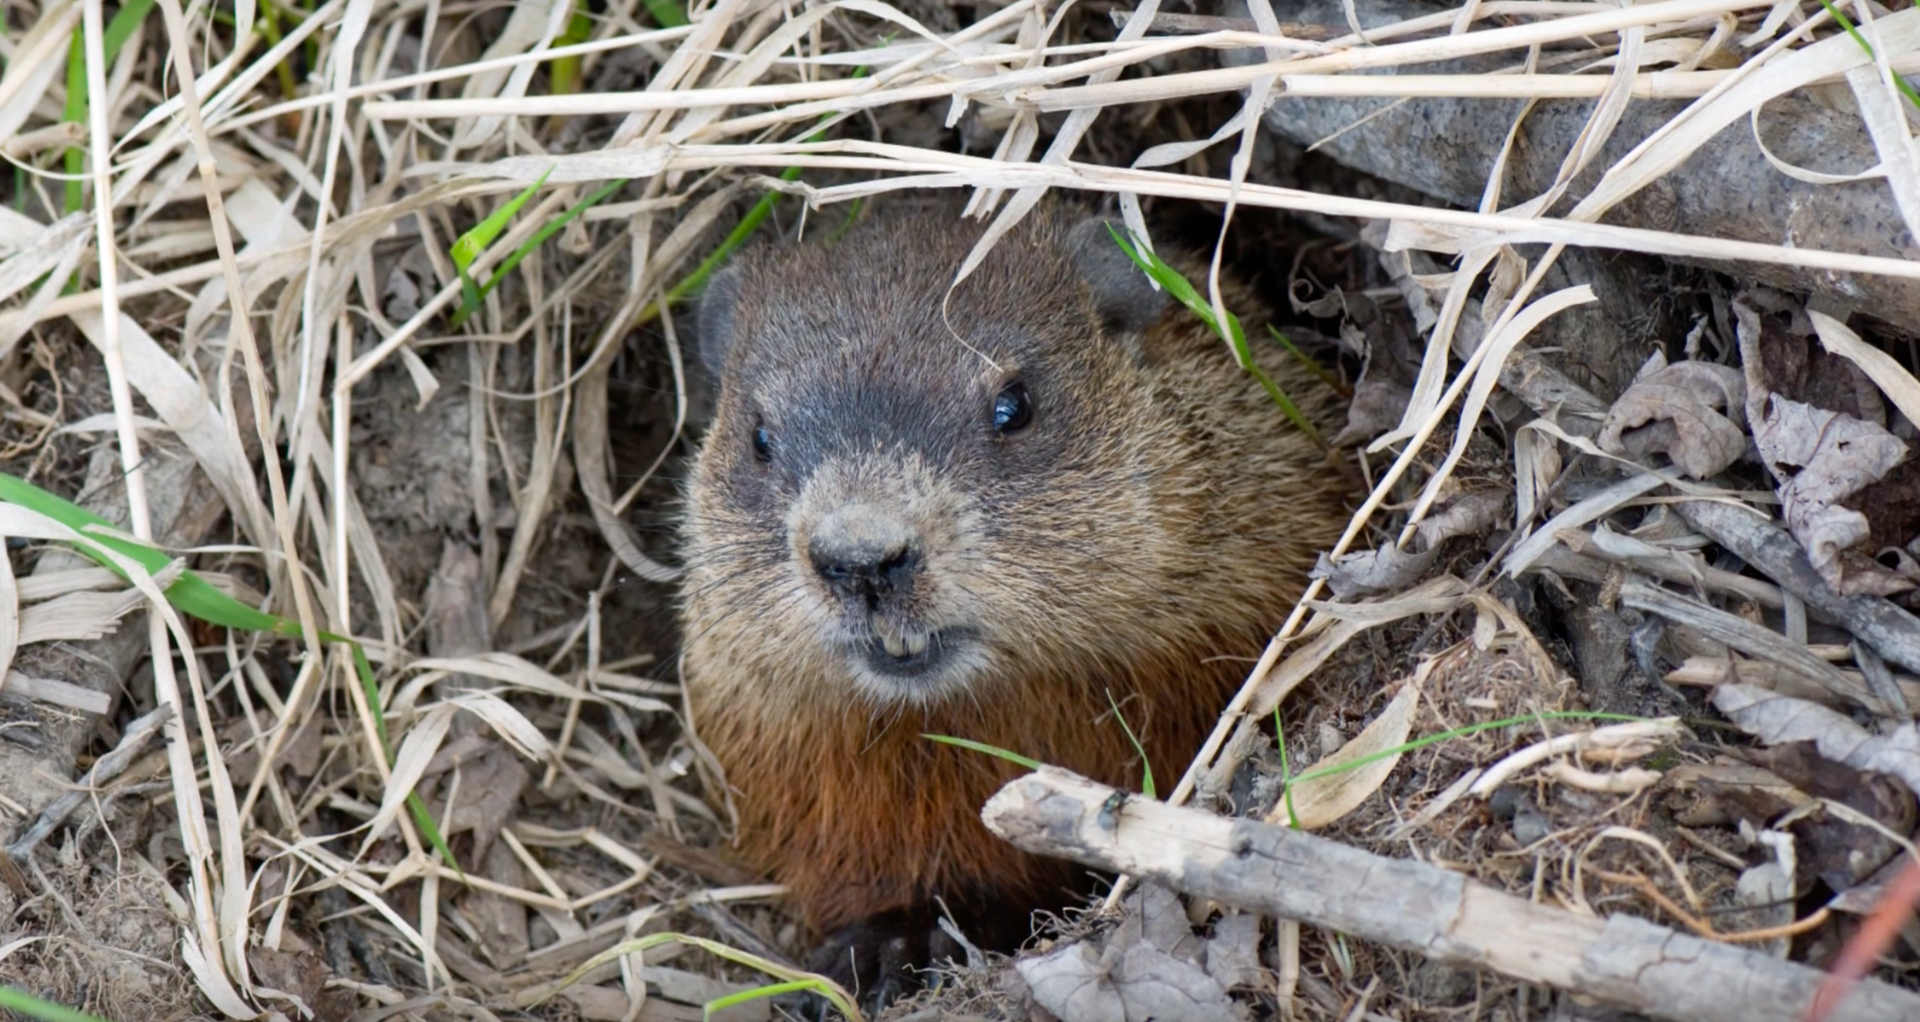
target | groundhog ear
[
  {"x": 1127, "y": 300},
  {"x": 716, "y": 318}
]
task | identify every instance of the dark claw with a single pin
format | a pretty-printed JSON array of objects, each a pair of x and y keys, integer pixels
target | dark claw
[{"x": 883, "y": 958}]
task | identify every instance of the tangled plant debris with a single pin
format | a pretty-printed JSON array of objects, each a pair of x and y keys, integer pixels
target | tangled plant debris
[{"x": 1630, "y": 338}]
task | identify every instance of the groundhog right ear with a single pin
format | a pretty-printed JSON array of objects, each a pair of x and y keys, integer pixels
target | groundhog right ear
[
  {"x": 1126, "y": 297},
  {"x": 716, "y": 318}
]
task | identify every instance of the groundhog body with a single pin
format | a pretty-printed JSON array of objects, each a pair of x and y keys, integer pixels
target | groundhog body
[{"x": 995, "y": 523}]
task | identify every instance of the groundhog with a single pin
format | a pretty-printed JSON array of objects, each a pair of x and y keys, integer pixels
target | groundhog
[{"x": 995, "y": 511}]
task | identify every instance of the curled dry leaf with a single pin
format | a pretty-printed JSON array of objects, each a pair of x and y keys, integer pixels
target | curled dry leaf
[
  {"x": 1776, "y": 719},
  {"x": 1469, "y": 514},
  {"x": 1820, "y": 458},
  {"x": 1391, "y": 569},
  {"x": 1692, "y": 406},
  {"x": 1386, "y": 569}
]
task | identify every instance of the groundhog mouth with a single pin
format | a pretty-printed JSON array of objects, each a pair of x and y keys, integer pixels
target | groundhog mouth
[{"x": 907, "y": 655}]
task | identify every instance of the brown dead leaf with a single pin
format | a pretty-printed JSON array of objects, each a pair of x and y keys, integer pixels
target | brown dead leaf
[
  {"x": 1317, "y": 801},
  {"x": 1694, "y": 408},
  {"x": 1838, "y": 851},
  {"x": 302, "y": 978},
  {"x": 1820, "y": 458}
]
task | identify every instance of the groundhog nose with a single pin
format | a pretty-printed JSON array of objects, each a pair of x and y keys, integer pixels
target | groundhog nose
[{"x": 863, "y": 555}]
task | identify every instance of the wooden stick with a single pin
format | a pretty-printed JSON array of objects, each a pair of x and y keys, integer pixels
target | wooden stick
[
  {"x": 1622, "y": 960},
  {"x": 1890, "y": 630}
]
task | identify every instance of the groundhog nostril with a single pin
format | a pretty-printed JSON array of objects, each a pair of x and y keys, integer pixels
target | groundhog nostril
[{"x": 864, "y": 572}]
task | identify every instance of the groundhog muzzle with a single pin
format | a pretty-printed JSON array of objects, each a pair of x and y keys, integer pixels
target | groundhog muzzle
[{"x": 993, "y": 511}]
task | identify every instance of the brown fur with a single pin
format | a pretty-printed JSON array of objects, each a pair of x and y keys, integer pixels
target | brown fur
[{"x": 1146, "y": 549}]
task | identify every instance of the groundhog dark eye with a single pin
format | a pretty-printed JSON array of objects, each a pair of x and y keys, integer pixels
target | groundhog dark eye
[
  {"x": 762, "y": 443},
  {"x": 1012, "y": 410}
]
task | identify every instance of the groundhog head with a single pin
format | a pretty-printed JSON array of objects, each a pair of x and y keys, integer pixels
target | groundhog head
[{"x": 909, "y": 486}]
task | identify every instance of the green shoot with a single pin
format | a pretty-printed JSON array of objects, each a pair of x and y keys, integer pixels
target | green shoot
[
  {"x": 566, "y": 70},
  {"x": 1899, "y": 81},
  {"x": 846, "y": 222},
  {"x": 741, "y": 232},
  {"x": 125, "y": 22},
  {"x": 197, "y": 598},
  {"x": 1029, "y": 763},
  {"x": 470, "y": 295},
  {"x": 467, "y": 248},
  {"x": 283, "y": 72},
  {"x": 1146, "y": 768},
  {"x": 790, "y": 979},
  {"x": 76, "y": 113},
  {"x": 1232, "y": 332},
  {"x": 33, "y": 1007},
  {"x": 469, "y": 245},
  {"x": 968, "y": 743},
  {"x": 1286, "y": 771},
  {"x": 668, "y": 13}
]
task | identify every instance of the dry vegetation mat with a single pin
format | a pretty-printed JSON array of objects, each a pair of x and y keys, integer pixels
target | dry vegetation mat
[{"x": 341, "y": 358}]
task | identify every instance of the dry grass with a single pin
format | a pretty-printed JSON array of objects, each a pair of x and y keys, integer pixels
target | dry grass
[{"x": 239, "y": 248}]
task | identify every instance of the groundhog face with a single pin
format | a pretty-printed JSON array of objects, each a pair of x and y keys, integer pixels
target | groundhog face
[{"x": 902, "y": 475}]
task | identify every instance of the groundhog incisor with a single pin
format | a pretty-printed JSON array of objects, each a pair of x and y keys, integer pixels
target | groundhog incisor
[{"x": 994, "y": 520}]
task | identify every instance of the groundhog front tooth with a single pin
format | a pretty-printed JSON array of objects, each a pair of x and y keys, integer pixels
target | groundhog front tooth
[
  {"x": 916, "y": 643},
  {"x": 895, "y": 647}
]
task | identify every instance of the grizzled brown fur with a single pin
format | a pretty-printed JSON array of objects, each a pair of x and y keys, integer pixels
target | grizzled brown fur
[{"x": 1142, "y": 537}]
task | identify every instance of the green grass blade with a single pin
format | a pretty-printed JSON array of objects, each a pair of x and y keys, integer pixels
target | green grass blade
[
  {"x": 1459, "y": 732},
  {"x": 1146, "y": 766},
  {"x": 1339, "y": 386},
  {"x": 770, "y": 990},
  {"x": 75, "y": 112},
  {"x": 471, "y": 295},
  {"x": 196, "y": 597},
  {"x": 968, "y": 743},
  {"x": 1286, "y": 771},
  {"x": 1899, "y": 81},
  {"x": 668, "y": 13},
  {"x": 35, "y": 1008},
  {"x": 191, "y": 593},
  {"x": 791, "y": 979},
  {"x": 566, "y": 70},
  {"x": 468, "y": 246},
  {"x": 270, "y": 28},
  {"x": 126, "y": 21},
  {"x": 1233, "y": 333},
  {"x": 744, "y": 229}
]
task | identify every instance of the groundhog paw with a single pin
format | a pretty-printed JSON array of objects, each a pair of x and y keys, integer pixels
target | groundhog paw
[{"x": 883, "y": 958}]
